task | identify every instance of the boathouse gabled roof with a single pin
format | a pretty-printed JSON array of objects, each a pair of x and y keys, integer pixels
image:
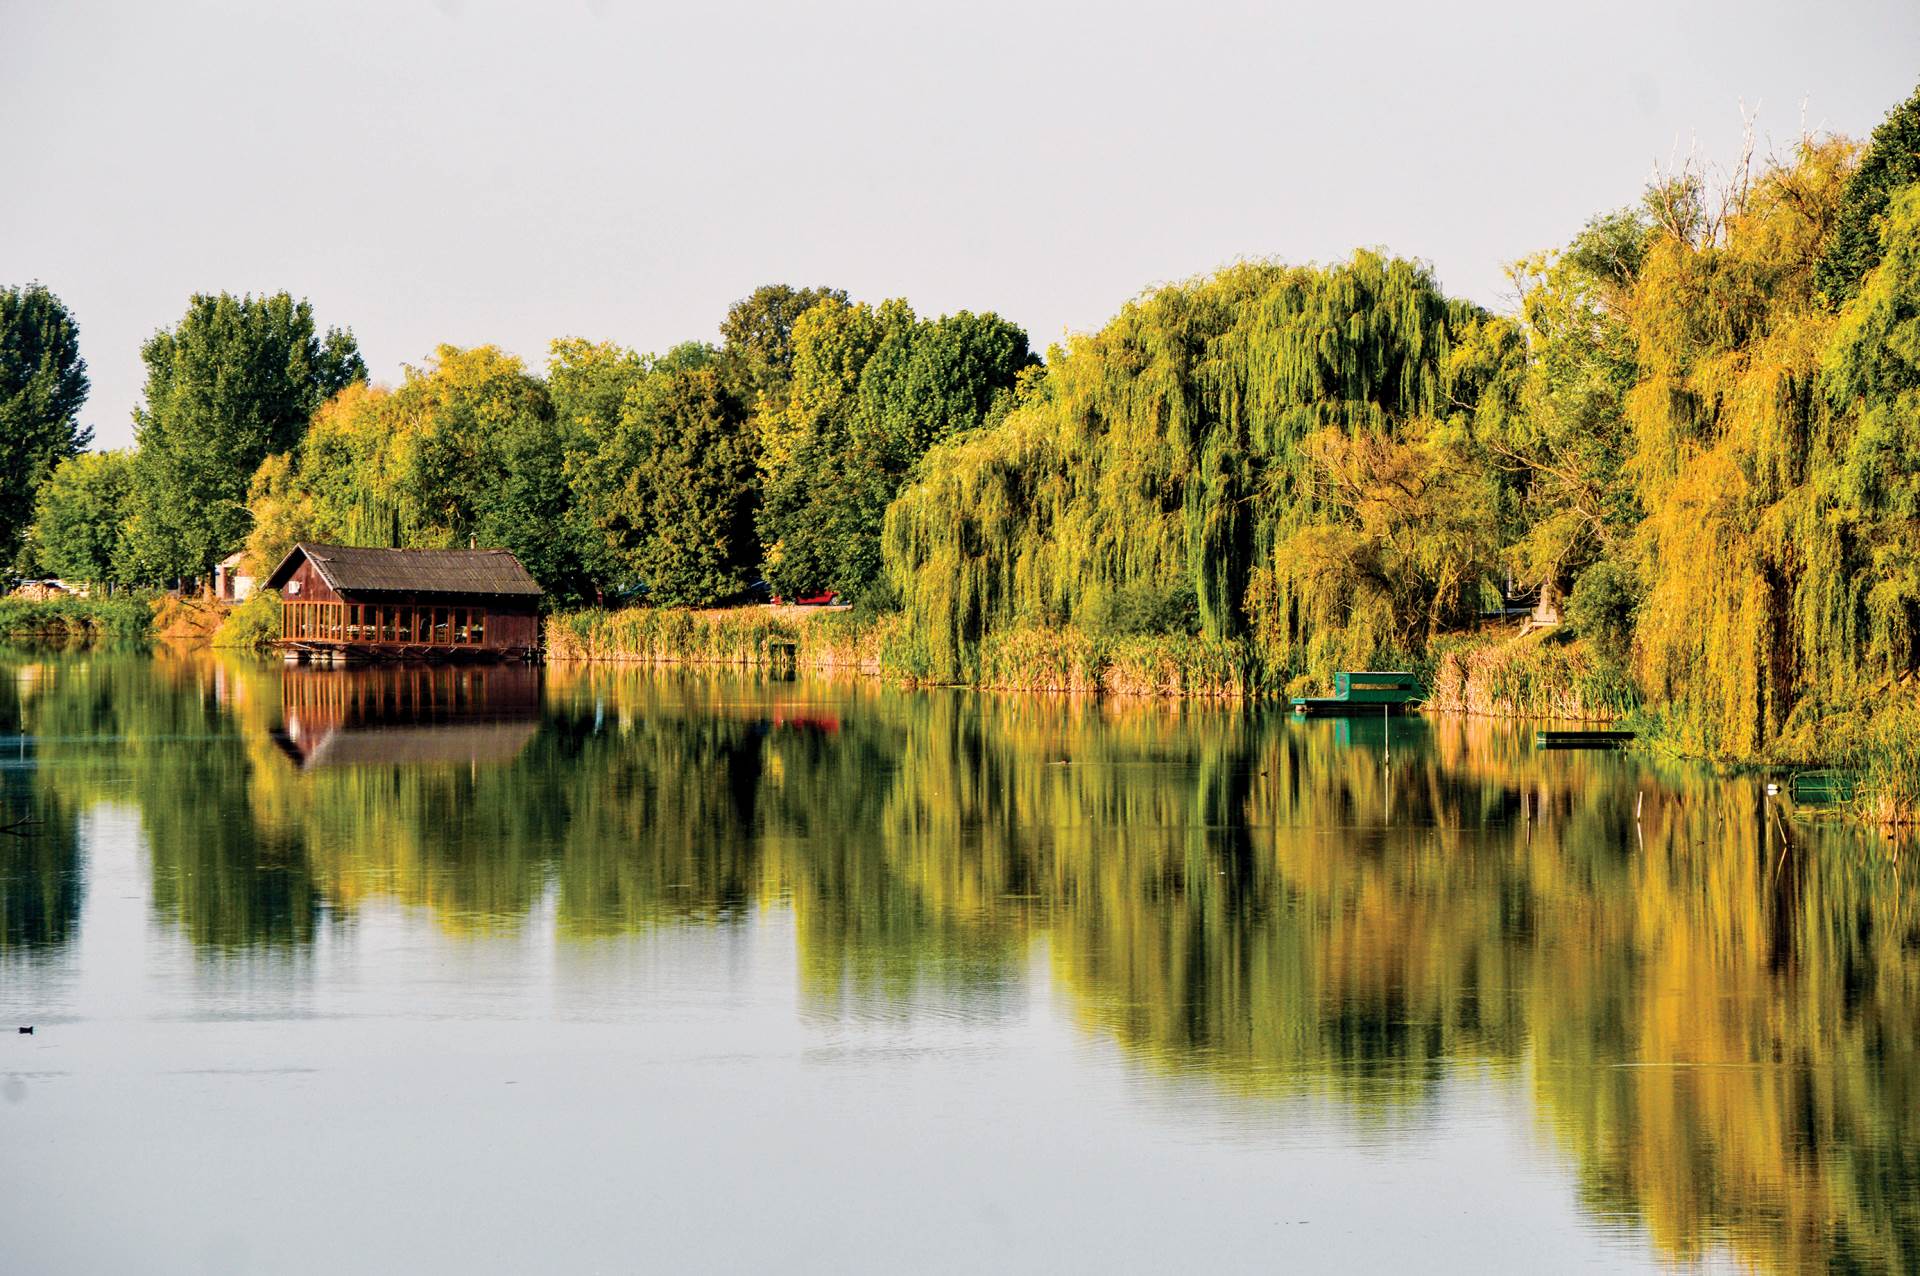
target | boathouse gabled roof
[{"x": 410, "y": 571}]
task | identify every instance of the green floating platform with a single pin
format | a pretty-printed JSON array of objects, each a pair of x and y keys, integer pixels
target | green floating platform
[
  {"x": 1824, "y": 788},
  {"x": 1349, "y": 683},
  {"x": 1363, "y": 691},
  {"x": 1581, "y": 739},
  {"x": 1331, "y": 707}
]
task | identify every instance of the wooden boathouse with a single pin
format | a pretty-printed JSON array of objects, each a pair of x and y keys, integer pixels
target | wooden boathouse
[{"x": 341, "y": 603}]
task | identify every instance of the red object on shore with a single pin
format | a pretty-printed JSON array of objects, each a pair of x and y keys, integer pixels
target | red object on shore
[{"x": 818, "y": 600}]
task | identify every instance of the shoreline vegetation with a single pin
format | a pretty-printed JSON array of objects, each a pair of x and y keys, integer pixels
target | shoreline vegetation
[
  {"x": 1533, "y": 675},
  {"x": 1499, "y": 674},
  {"x": 1484, "y": 675},
  {"x": 1692, "y": 450}
]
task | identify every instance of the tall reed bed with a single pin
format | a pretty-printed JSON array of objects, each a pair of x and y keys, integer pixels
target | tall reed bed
[
  {"x": 1025, "y": 658},
  {"x": 1882, "y": 744},
  {"x": 1067, "y": 658},
  {"x": 750, "y": 637},
  {"x": 1529, "y": 677}
]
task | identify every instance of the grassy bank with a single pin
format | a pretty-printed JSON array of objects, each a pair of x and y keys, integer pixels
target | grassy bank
[{"x": 127, "y": 617}]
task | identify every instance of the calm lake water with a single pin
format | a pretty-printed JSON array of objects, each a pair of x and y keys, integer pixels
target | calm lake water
[{"x": 609, "y": 969}]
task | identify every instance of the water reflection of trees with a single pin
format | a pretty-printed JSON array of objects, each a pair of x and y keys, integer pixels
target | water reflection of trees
[{"x": 1717, "y": 1012}]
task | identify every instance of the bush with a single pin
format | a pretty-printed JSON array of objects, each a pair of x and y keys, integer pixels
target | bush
[
  {"x": 1132, "y": 610},
  {"x": 126, "y": 617},
  {"x": 254, "y": 624}
]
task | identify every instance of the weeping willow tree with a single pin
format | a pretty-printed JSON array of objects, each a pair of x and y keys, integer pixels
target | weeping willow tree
[
  {"x": 1774, "y": 453},
  {"x": 1290, "y": 450}
]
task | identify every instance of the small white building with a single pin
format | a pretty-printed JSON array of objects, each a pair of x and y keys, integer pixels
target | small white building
[{"x": 230, "y": 583}]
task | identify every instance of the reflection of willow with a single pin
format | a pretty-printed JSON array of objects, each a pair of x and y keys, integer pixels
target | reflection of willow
[
  {"x": 1724, "y": 1028},
  {"x": 1736, "y": 1040},
  {"x": 699, "y": 797}
]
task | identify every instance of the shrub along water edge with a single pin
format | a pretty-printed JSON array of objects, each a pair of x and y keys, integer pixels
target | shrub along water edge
[{"x": 127, "y": 616}]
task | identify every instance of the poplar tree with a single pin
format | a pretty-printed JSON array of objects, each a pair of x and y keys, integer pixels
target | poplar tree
[
  {"x": 233, "y": 382},
  {"x": 43, "y": 383}
]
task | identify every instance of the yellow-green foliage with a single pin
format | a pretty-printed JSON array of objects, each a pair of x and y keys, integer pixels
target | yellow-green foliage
[
  {"x": 253, "y": 625},
  {"x": 1528, "y": 677},
  {"x": 1774, "y": 448},
  {"x": 1268, "y": 438}
]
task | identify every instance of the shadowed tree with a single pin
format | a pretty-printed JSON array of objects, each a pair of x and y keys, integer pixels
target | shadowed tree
[{"x": 1892, "y": 161}]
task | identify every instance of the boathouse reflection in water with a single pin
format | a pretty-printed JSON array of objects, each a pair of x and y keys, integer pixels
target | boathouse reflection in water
[{"x": 408, "y": 714}]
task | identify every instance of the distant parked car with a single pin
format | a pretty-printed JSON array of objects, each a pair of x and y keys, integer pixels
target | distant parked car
[
  {"x": 827, "y": 599},
  {"x": 758, "y": 592}
]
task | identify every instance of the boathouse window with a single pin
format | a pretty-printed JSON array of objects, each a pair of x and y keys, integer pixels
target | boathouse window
[{"x": 400, "y": 626}]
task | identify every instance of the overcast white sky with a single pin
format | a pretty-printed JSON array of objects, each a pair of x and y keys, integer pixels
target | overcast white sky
[{"x": 466, "y": 171}]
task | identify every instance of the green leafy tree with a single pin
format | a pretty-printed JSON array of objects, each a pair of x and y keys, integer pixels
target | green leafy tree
[
  {"x": 43, "y": 383},
  {"x": 477, "y": 458},
  {"x": 467, "y": 450},
  {"x": 1871, "y": 374},
  {"x": 588, "y": 383},
  {"x": 1294, "y": 449},
  {"x": 1891, "y": 162},
  {"x": 235, "y": 381},
  {"x": 673, "y": 487},
  {"x": 756, "y": 353},
  {"x": 80, "y": 517},
  {"x": 1561, "y": 452},
  {"x": 872, "y": 390}
]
